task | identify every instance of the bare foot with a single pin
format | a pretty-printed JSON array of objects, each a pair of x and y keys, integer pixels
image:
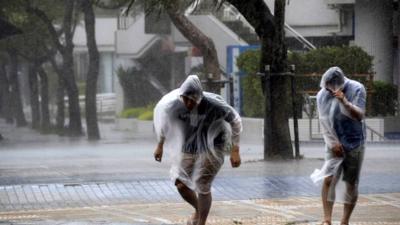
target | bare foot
[{"x": 193, "y": 219}]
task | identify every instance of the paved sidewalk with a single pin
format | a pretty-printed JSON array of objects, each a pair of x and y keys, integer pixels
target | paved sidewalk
[
  {"x": 58, "y": 196},
  {"x": 51, "y": 180},
  {"x": 373, "y": 209}
]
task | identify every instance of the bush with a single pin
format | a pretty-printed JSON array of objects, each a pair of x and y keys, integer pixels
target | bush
[
  {"x": 132, "y": 112},
  {"x": 148, "y": 115},
  {"x": 351, "y": 59},
  {"x": 384, "y": 99},
  {"x": 141, "y": 113},
  {"x": 253, "y": 97},
  {"x": 82, "y": 88}
]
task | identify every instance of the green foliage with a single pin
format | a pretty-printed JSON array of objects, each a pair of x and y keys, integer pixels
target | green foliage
[
  {"x": 384, "y": 99},
  {"x": 141, "y": 113},
  {"x": 82, "y": 88},
  {"x": 148, "y": 115},
  {"x": 253, "y": 97},
  {"x": 351, "y": 59},
  {"x": 132, "y": 112}
]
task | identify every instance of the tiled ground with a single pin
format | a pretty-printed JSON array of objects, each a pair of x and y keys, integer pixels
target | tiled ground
[
  {"x": 58, "y": 196},
  {"x": 373, "y": 209}
]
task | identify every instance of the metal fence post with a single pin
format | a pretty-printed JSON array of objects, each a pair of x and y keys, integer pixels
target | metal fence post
[{"x": 294, "y": 105}]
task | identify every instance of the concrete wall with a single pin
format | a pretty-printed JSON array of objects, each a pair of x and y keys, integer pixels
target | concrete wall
[
  {"x": 374, "y": 33},
  {"x": 392, "y": 124},
  {"x": 314, "y": 18},
  {"x": 253, "y": 129}
]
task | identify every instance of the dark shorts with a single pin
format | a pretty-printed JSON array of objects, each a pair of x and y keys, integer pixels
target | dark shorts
[
  {"x": 352, "y": 164},
  {"x": 201, "y": 171}
]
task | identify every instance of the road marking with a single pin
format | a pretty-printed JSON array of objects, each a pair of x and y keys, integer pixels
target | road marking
[
  {"x": 137, "y": 217},
  {"x": 380, "y": 201},
  {"x": 10, "y": 217}
]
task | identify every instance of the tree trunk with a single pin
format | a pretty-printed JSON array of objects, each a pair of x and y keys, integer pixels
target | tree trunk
[
  {"x": 6, "y": 104},
  {"x": 93, "y": 72},
  {"x": 281, "y": 144},
  {"x": 44, "y": 103},
  {"x": 199, "y": 40},
  {"x": 60, "y": 118},
  {"x": 75, "y": 123},
  {"x": 17, "y": 107},
  {"x": 270, "y": 30},
  {"x": 34, "y": 96},
  {"x": 67, "y": 72},
  {"x": 60, "y": 94}
]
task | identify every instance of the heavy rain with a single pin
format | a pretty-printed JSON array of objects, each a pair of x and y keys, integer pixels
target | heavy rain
[{"x": 219, "y": 112}]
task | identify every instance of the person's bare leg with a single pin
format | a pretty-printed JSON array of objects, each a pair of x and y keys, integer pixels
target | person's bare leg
[
  {"x": 348, "y": 208},
  {"x": 327, "y": 205},
  {"x": 189, "y": 196},
  {"x": 204, "y": 207}
]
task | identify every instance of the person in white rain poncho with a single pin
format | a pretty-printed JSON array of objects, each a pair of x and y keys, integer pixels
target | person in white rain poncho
[
  {"x": 196, "y": 128},
  {"x": 341, "y": 107}
]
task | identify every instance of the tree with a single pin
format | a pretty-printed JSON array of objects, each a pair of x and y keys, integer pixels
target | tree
[
  {"x": 66, "y": 50},
  {"x": 17, "y": 107},
  {"x": 197, "y": 38},
  {"x": 32, "y": 45},
  {"x": 60, "y": 117},
  {"x": 175, "y": 9},
  {"x": 34, "y": 96},
  {"x": 44, "y": 103},
  {"x": 6, "y": 106},
  {"x": 270, "y": 30},
  {"x": 93, "y": 72}
]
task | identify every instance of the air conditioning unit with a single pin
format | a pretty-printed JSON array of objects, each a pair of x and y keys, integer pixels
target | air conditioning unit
[{"x": 340, "y": 2}]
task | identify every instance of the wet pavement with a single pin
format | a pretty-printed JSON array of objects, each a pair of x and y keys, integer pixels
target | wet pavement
[
  {"x": 54, "y": 196},
  {"x": 46, "y": 179}
]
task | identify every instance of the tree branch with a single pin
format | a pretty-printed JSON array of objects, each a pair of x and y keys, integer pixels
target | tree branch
[
  {"x": 68, "y": 11},
  {"x": 258, "y": 14},
  {"x": 46, "y": 20},
  {"x": 117, "y": 5}
]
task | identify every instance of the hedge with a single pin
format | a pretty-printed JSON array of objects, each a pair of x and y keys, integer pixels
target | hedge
[{"x": 352, "y": 60}]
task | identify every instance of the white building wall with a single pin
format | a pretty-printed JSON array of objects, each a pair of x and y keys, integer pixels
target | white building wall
[
  {"x": 134, "y": 41},
  {"x": 315, "y": 18},
  {"x": 373, "y": 32},
  {"x": 105, "y": 35}
]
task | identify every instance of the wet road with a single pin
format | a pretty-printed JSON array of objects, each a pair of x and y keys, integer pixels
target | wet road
[{"x": 45, "y": 175}]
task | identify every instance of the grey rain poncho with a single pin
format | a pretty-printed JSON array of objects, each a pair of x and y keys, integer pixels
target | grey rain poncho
[
  {"x": 208, "y": 131},
  {"x": 328, "y": 108}
]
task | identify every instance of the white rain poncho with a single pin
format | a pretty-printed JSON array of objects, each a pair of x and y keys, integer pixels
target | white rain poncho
[
  {"x": 207, "y": 131},
  {"x": 335, "y": 117}
]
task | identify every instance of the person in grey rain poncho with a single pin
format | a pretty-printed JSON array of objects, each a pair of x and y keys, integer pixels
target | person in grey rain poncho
[
  {"x": 341, "y": 107},
  {"x": 196, "y": 129}
]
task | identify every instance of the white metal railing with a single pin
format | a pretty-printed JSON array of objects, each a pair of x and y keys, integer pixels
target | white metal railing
[
  {"x": 315, "y": 128},
  {"x": 299, "y": 37},
  {"x": 230, "y": 13}
]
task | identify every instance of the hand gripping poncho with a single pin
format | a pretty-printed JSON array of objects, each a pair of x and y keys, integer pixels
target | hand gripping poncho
[
  {"x": 328, "y": 106},
  {"x": 208, "y": 131}
]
